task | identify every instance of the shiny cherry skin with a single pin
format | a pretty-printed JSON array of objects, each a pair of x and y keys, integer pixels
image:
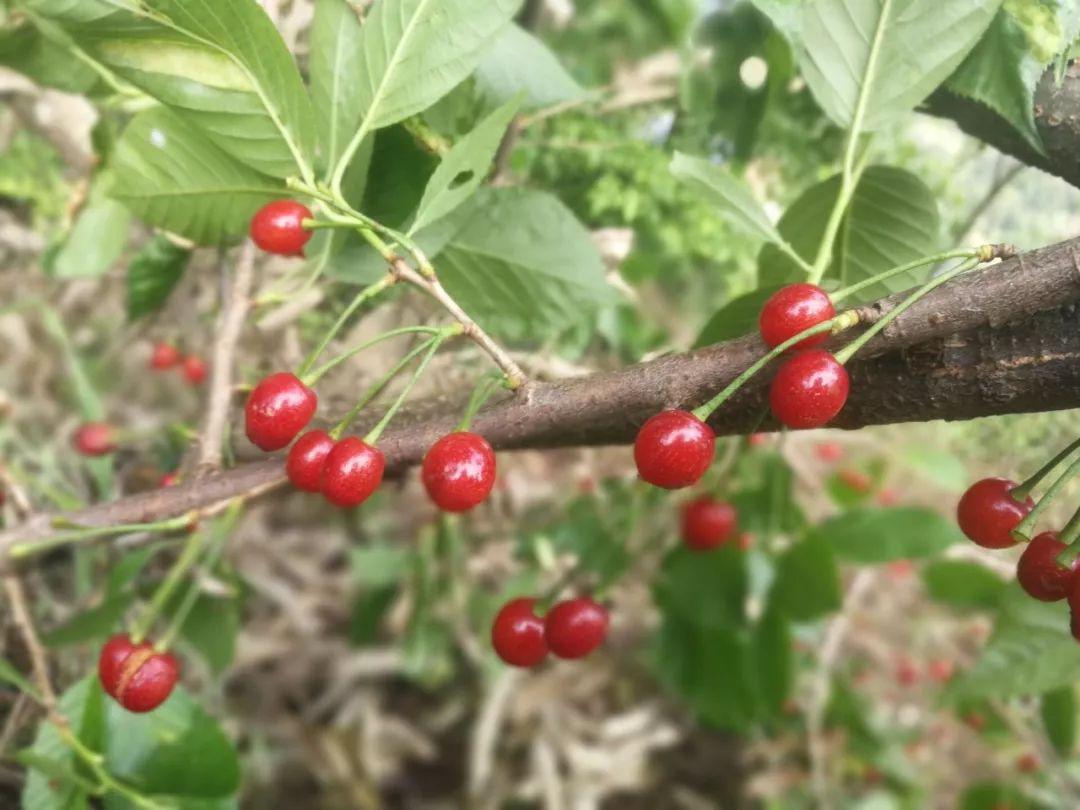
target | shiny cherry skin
[
  {"x": 164, "y": 356},
  {"x": 517, "y": 634},
  {"x": 306, "y": 459},
  {"x": 94, "y": 439},
  {"x": 809, "y": 390},
  {"x": 278, "y": 228},
  {"x": 988, "y": 512},
  {"x": 139, "y": 678},
  {"x": 352, "y": 471},
  {"x": 707, "y": 523},
  {"x": 674, "y": 449},
  {"x": 793, "y": 309},
  {"x": 278, "y": 409},
  {"x": 1040, "y": 574},
  {"x": 194, "y": 369},
  {"x": 459, "y": 471},
  {"x": 575, "y": 627}
]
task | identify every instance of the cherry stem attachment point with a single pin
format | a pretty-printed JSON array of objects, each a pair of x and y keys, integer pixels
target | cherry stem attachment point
[
  {"x": 1021, "y": 492},
  {"x": 849, "y": 351},
  {"x": 361, "y": 298},
  {"x": 840, "y": 323},
  {"x": 435, "y": 343},
  {"x": 314, "y": 376},
  {"x": 1023, "y": 530},
  {"x": 937, "y": 258}
]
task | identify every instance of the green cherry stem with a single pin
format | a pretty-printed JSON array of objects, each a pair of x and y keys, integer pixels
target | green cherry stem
[
  {"x": 361, "y": 298},
  {"x": 1070, "y": 536},
  {"x": 91, "y": 533},
  {"x": 842, "y": 322},
  {"x": 313, "y": 377},
  {"x": 436, "y": 342},
  {"x": 1021, "y": 492},
  {"x": 846, "y": 292},
  {"x": 188, "y": 557},
  {"x": 1024, "y": 528},
  {"x": 481, "y": 394},
  {"x": 849, "y": 351}
]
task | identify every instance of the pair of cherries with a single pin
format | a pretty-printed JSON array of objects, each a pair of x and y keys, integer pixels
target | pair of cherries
[
  {"x": 136, "y": 676},
  {"x": 674, "y": 448},
  {"x": 988, "y": 513},
  {"x": 572, "y": 629},
  {"x": 165, "y": 356},
  {"x": 458, "y": 471}
]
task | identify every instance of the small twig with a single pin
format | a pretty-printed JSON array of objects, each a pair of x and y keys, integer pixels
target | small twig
[
  {"x": 20, "y": 615},
  {"x": 515, "y": 377},
  {"x": 236, "y": 300}
]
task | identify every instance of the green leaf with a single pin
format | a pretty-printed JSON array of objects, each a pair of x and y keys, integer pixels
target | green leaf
[
  {"x": 211, "y": 628},
  {"x": 90, "y": 625},
  {"x": 377, "y": 566},
  {"x": 765, "y": 502},
  {"x": 124, "y": 571},
  {"x": 706, "y": 589},
  {"x": 416, "y": 51},
  {"x": 941, "y": 467},
  {"x": 963, "y": 584},
  {"x": 732, "y": 198},
  {"x": 772, "y": 659},
  {"x": 807, "y": 584},
  {"x": 368, "y": 612},
  {"x": 521, "y": 264},
  {"x": 335, "y": 64},
  {"x": 26, "y": 50},
  {"x": 1030, "y": 652},
  {"x": 893, "y": 52},
  {"x": 1058, "y": 711},
  {"x": 518, "y": 62},
  {"x": 96, "y": 241},
  {"x": 464, "y": 168},
  {"x": 893, "y": 219},
  {"x": 994, "y": 796},
  {"x": 152, "y": 276},
  {"x": 174, "y": 178},
  {"x": 882, "y": 535},
  {"x": 587, "y": 531},
  {"x": 43, "y": 791},
  {"x": 9, "y": 674},
  {"x": 736, "y": 318}
]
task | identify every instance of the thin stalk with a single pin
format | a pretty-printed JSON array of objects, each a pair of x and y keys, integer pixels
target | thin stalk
[
  {"x": 846, "y": 292},
  {"x": 79, "y": 535},
  {"x": 849, "y": 351},
  {"x": 314, "y": 376},
  {"x": 436, "y": 342},
  {"x": 361, "y": 298},
  {"x": 840, "y": 323},
  {"x": 1070, "y": 536},
  {"x": 1021, "y": 492},
  {"x": 483, "y": 391},
  {"x": 1024, "y": 527},
  {"x": 188, "y": 557},
  {"x": 848, "y": 184}
]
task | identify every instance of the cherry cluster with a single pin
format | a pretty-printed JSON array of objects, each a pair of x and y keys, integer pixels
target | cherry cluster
[
  {"x": 988, "y": 513},
  {"x": 166, "y": 356}
]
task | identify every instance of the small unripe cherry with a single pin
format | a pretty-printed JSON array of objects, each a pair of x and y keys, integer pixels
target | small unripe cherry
[
  {"x": 809, "y": 390},
  {"x": 674, "y": 449},
  {"x": 987, "y": 512},
  {"x": 352, "y": 472},
  {"x": 139, "y": 678},
  {"x": 277, "y": 409},
  {"x": 575, "y": 627},
  {"x": 194, "y": 369},
  {"x": 278, "y": 228},
  {"x": 168, "y": 480},
  {"x": 517, "y": 634},
  {"x": 794, "y": 309},
  {"x": 459, "y": 471},
  {"x": 707, "y": 523},
  {"x": 164, "y": 356},
  {"x": 306, "y": 459},
  {"x": 1040, "y": 574},
  {"x": 94, "y": 439}
]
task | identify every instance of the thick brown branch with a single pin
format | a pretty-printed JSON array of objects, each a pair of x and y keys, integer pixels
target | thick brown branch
[{"x": 1003, "y": 339}]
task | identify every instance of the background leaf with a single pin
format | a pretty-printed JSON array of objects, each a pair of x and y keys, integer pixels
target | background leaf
[
  {"x": 516, "y": 62},
  {"x": 1058, "y": 711},
  {"x": 736, "y": 318},
  {"x": 732, "y": 197},
  {"x": 807, "y": 584},
  {"x": 882, "y": 535},
  {"x": 153, "y": 274},
  {"x": 96, "y": 240},
  {"x": 336, "y": 65},
  {"x": 964, "y": 585}
]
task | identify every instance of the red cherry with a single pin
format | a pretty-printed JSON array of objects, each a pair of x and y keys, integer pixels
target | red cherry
[
  {"x": 168, "y": 480},
  {"x": 757, "y": 439},
  {"x": 746, "y": 541},
  {"x": 139, "y": 678},
  {"x": 1039, "y": 572},
  {"x": 94, "y": 439},
  {"x": 809, "y": 390},
  {"x": 674, "y": 449},
  {"x": 888, "y": 497},
  {"x": 987, "y": 512},
  {"x": 278, "y": 409},
  {"x": 1027, "y": 763},
  {"x": 194, "y": 370},
  {"x": 856, "y": 480},
  {"x": 907, "y": 674},
  {"x": 164, "y": 356},
  {"x": 517, "y": 634},
  {"x": 306, "y": 459},
  {"x": 575, "y": 627},
  {"x": 352, "y": 471},
  {"x": 278, "y": 228},
  {"x": 707, "y": 523},
  {"x": 829, "y": 452},
  {"x": 900, "y": 569},
  {"x": 793, "y": 309},
  {"x": 459, "y": 471},
  {"x": 940, "y": 670},
  {"x": 975, "y": 721}
]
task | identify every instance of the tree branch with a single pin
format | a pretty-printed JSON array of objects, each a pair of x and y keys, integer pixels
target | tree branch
[{"x": 1003, "y": 339}]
